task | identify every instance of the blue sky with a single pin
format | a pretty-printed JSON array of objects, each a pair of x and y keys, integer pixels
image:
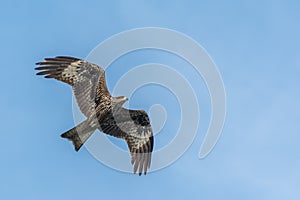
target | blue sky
[{"x": 255, "y": 44}]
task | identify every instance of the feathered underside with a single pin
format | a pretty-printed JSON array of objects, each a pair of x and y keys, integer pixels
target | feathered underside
[
  {"x": 91, "y": 93},
  {"x": 87, "y": 81},
  {"x": 133, "y": 126}
]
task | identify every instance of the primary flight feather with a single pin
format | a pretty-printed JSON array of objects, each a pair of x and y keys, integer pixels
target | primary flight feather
[{"x": 103, "y": 112}]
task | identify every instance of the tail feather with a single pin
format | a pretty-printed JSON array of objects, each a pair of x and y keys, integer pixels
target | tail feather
[
  {"x": 79, "y": 134},
  {"x": 73, "y": 136}
]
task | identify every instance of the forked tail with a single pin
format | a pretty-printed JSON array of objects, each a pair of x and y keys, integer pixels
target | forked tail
[{"x": 79, "y": 134}]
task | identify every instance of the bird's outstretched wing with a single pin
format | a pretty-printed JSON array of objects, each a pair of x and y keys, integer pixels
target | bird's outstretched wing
[
  {"x": 87, "y": 80},
  {"x": 133, "y": 126}
]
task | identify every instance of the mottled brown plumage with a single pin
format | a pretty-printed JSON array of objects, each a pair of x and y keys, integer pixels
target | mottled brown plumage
[{"x": 103, "y": 111}]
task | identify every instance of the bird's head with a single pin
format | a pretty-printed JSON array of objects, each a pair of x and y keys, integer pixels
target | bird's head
[{"x": 119, "y": 101}]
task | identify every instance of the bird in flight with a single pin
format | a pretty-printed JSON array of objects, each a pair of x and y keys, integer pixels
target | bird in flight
[{"x": 103, "y": 111}]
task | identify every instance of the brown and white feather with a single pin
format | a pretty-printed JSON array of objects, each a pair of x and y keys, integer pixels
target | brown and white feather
[
  {"x": 87, "y": 80},
  {"x": 133, "y": 126},
  {"x": 94, "y": 100}
]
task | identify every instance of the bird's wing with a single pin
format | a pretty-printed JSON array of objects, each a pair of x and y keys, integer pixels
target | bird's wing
[
  {"x": 87, "y": 80},
  {"x": 133, "y": 126}
]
